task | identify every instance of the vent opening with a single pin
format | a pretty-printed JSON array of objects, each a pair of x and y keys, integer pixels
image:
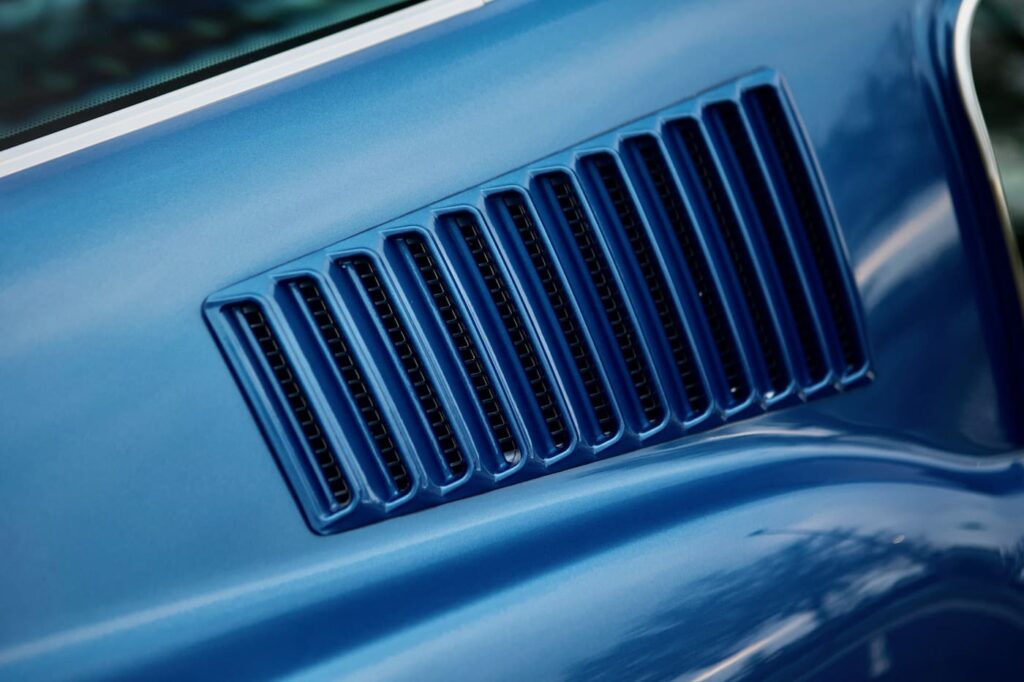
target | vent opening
[
  {"x": 783, "y": 142},
  {"x": 356, "y": 384},
  {"x": 625, "y": 335},
  {"x": 755, "y": 184},
  {"x": 653, "y": 165},
  {"x": 615, "y": 191},
  {"x": 586, "y": 366},
  {"x": 494, "y": 283},
  {"x": 710, "y": 182},
  {"x": 312, "y": 431},
  {"x": 494, "y": 411},
  {"x": 423, "y": 388}
]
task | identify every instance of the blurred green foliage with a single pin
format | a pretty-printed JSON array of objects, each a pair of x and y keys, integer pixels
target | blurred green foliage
[{"x": 997, "y": 58}]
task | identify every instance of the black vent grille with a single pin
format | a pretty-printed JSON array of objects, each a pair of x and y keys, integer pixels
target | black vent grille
[
  {"x": 753, "y": 183},
  {"x": 656, "y": 281},
  {"x": 667, "y": 205}
]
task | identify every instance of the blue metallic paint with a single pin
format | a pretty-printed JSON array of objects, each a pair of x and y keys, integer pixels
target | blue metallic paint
[{"x": 149, "y": 533}]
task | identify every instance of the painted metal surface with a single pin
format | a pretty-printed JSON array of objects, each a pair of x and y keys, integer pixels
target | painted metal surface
[{"x": 149, "y": 533}]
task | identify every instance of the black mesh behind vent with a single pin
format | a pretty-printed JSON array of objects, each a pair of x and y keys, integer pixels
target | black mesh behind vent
[
  {"x": 656, "y": 168},
  {"x": 356, "y": 384},
  {"x": 422, "y": 386},
  {"x": 798, "y": 183},
  {"x": 753, "y": 293},
  {"x": 566, "y": 316},
  {"x": 668, "y": 315},
  {"x": 298, "y": 403},
  {"x": 756, "y": 185},
  {"x": 497, "y": 289},
  {"x": 614, "y": 306},
  {"x": 493, "y": 410}
]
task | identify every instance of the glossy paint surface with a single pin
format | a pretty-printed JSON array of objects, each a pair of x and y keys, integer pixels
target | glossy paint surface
[{"x": 149, "y": 533}]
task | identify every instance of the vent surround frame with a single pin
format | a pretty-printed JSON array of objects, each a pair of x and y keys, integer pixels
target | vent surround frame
[{"x": 532, "y": 373}]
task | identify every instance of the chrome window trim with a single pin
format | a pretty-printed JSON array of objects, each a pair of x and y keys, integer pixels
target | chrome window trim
[
  {"x": 965, "y": 81},
  {"x": 222, "y": 86}
]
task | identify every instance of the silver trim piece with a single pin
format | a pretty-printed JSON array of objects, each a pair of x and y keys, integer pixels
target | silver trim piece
[
  {"x": 969, "y": 95},
  {"x": 229, "y": 84}
]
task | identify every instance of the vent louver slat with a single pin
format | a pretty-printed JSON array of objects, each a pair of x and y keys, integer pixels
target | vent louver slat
[
  {"x": 680, "y": 272},
  {"x": 481, "y": 381},
  {"x": 755, "y": 184},
  {"x": 297, "y": 402},
  {"x": 426, "y": 395},
  {"x": 586, "y": 365},
  {"x": 784, "y": 146},
  {"x": 710, "y": 182},
  {"x": 356, "y": 384},
  {"x": 657, "y": 287},
  {"x": 611, "y": 300},
  {"x": 515, "y": 328},
  {"x": 654, "y": 165}
]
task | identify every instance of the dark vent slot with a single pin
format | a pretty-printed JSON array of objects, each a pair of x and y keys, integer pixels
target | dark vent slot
[
  {"x": 707, "y": 293},
  {"x": 753, "y": 293},
  {"x": 432, "y": 408},
  {"x": 312, "y": 431},
  {"x": 756, "y": 185},
  {"x": 494, "y": 412},
  {"x": 611, "y": 299},
  {"x": 816, "y": 229},
  {"x": 357, "y": 386},
  {"x": 516, "y": 329},
  {"x": 682, "y": 354},
  {"x": 567, "y": 321}
]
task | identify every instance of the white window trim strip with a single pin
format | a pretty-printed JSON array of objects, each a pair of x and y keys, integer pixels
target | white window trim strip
[
  {"x": 965, "y": 81},
  {"x": 225, "y": 85}
]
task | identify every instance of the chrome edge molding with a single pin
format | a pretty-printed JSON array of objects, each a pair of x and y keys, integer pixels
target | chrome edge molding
[
  {"x": 229, "y": 84},
  {"x": 965, "y": 81}
]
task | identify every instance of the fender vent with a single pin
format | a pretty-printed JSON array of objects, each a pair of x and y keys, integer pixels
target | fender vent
[{"x": 653, "y": 282}]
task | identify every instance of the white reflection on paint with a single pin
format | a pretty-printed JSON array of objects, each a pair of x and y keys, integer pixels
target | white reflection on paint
[{"x": 927, "y": 232}]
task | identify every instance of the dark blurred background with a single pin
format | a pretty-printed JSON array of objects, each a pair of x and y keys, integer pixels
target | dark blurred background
[{"x": 997, "y": 57}]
